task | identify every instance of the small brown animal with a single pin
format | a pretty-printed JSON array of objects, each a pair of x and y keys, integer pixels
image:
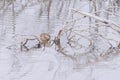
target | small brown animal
[{"x": 45, "y": 38}]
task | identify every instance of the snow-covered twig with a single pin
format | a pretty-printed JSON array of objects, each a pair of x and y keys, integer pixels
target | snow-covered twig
[{"x": 96, "y": 17}]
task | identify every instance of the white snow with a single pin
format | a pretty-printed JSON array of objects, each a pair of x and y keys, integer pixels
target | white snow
[{"x": 48, "y": 64}]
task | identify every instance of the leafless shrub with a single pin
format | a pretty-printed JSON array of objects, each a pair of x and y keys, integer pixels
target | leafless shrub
[{"x": 98, "y": 16}]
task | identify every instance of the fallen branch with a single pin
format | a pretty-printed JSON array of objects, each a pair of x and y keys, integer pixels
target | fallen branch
[
  {"x": 23, "y": 44},
  {"x": 97, "y": 18}
]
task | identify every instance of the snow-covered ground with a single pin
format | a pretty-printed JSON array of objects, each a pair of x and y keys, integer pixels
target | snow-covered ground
[{"x": 48, "y": 64}]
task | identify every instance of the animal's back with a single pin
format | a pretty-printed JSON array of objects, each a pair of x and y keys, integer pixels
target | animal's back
[{"x": 45, "y": 37}]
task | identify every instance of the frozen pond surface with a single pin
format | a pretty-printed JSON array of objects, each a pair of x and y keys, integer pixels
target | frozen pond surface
[{"x": 37, "y": 64}]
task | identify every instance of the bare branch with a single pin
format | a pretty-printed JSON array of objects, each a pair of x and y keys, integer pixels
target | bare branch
[{"x": 97, "y": 18}]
